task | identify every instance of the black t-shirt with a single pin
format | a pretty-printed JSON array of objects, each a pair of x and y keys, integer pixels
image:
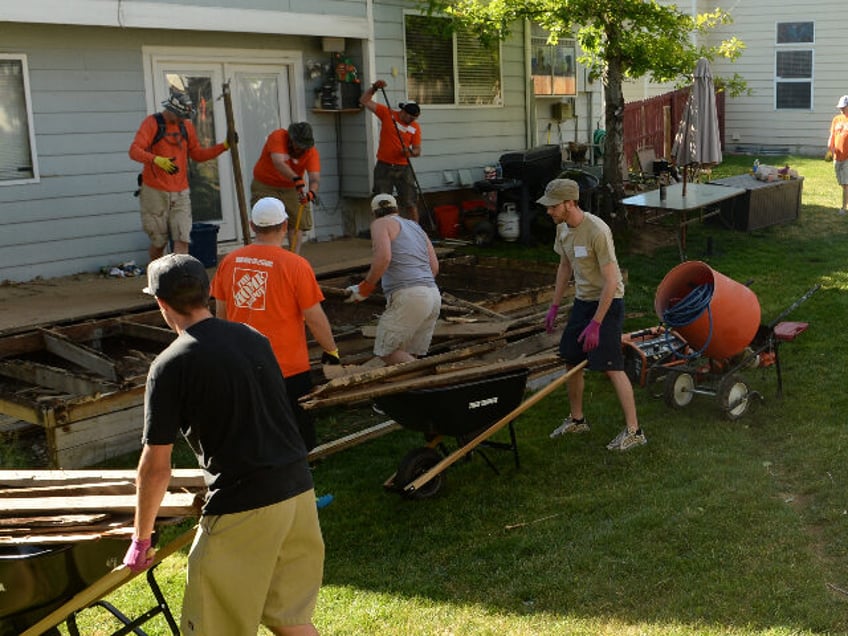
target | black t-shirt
[{"x": 219, "y": 385}]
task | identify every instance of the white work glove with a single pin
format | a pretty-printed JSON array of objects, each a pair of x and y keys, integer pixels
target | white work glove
[{"x": 359, "y": 292}]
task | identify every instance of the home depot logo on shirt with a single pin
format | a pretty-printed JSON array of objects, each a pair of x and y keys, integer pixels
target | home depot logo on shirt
[{"x": 249, "y": 288}]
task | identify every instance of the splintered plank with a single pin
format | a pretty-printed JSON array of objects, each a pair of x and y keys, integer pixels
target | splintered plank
[
  {"x": 54, "y": 378},
  {"x": 453, "y": 330},
  {"x": 72, "y": 490},
  {"x": 361, "y": 394},
  {"x": 386, "y": 372},
  {"x": 84, "y": 356},
  {"x": 173, "y": 505},
  {"x": 162, "y": 335},
  {"x": 191, "y": 478},
  {"x": 57, "y": 521}
]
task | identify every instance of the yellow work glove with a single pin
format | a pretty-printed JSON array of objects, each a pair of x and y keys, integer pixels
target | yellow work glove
[{"x": 166, "y": 164}]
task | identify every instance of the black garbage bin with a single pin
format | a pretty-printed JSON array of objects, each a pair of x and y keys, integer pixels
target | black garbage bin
[{"x": 588, "y": 184}]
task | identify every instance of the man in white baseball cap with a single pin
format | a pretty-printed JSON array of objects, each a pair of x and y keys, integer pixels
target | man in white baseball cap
[
  {"x": 837, "y": 145},
  {"x": 275, "y": 291},
  {"x": 405, "y": 263}
]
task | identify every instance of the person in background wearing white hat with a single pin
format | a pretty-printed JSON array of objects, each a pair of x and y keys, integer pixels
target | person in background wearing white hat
[
  {"x": 163, "y": 143},
  {"x": 258, "y": 556},
  {"x": 404, "y": 259},
  {"x": 837, "y": 145},
  {"x": 585, "y": 247},
  {"x": 275, "y": 291},
  {"x": 400, "y": 139},
  {"x": 287, "y": 155}
]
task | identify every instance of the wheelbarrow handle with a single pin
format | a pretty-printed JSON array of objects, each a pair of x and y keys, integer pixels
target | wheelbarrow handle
[{"x": 104, "y": 586}]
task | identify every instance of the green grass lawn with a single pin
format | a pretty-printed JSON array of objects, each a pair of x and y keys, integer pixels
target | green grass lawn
[{"x": 715, "y": 527}]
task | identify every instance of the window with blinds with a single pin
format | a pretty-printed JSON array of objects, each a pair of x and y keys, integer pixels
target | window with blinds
[
  {"x": 16, "y": 134},
  {"x": 793, "y": 66},
  {"x": 445, "y": 67}
]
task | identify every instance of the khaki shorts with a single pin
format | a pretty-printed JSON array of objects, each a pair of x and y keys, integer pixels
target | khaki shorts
[
  {"x": 288, "y": 196},
  {"x": 165, "y": 215},
  {"x": 259, "y": 566},
  {"x": 388, "y": 177},
  {"x": 409, "y": 321},
  {"x": 841, "y": 169}
]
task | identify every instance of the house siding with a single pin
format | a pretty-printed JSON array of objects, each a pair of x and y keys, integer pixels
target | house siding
[
  {"x": 88, "y": 98},
  {"x": 753, "y": 124},
  {"x": 453, "y": 137}
]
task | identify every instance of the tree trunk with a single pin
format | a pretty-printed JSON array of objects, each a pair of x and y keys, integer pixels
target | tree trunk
[{"x": 614, "y": 145}]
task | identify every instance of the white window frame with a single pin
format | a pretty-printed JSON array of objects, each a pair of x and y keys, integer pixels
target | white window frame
[
  {"x": 499, "y": 100},
  {"x": 35, "y": 178},
  {"x": 794, "y": 47}
]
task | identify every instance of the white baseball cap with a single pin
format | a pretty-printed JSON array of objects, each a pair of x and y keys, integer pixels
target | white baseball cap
[
  {"x": 268, "y": 212},
  {"x": 382, "y": 202},
  {"x": 843, "y": 102}
]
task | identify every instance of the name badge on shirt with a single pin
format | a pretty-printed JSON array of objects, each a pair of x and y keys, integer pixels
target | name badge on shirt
[{"x": 580, "y": 251}]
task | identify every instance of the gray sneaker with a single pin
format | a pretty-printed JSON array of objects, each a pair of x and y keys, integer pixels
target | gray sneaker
[
  {"x": 626, "y": 440},
  {"x": 842, "y": 212},
  {"x": 569, "y": 425}
]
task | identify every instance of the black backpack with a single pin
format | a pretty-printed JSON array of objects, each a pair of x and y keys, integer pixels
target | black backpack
[{"x": 160, "y": 133}]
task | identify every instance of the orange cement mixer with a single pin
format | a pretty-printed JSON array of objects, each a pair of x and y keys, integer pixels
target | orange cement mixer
[{"x": 717, "y": 316}]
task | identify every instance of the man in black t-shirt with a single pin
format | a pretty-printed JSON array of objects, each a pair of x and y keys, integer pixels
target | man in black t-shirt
[{"x": 258, "y": 556}]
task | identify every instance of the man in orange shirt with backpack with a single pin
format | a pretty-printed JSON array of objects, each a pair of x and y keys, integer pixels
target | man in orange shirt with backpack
[{"x": 164, "y": 142}]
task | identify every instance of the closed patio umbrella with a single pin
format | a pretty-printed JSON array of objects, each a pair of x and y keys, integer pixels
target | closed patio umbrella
[{"x": 697, "y": 142}]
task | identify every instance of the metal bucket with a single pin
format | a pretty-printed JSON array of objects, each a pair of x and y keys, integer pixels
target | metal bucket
[{"x": 724, "y": 326}]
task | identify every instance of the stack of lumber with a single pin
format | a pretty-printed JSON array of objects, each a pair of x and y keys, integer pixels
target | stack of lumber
[
  {"x": 64, "y": 506},
  {"x": 466, "y": 363}
]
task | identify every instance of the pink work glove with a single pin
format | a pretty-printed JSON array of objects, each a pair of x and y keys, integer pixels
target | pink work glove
[
  {"x": 590, "y": 336},
  {"x": 140, "y": 555},
  {"x": 550, "y": 318}
]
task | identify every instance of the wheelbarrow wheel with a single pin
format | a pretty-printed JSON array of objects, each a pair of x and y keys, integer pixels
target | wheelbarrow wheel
[
  {"x": 678, "y": 389},
  {"x": 414, "y": 464},
  {"x": 733, "y": 397}
]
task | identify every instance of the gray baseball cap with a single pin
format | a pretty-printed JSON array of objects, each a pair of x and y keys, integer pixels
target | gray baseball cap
[{"x": 560, "y": 190}]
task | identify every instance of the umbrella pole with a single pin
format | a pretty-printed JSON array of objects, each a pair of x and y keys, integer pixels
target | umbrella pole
[{"x": 685, "y": 172}]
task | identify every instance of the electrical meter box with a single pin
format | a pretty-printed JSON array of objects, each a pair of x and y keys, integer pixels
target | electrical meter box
[{"x": 561, "y": 111}]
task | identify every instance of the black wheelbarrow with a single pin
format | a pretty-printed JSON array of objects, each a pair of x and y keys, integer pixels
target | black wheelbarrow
[
  {"x": 470, "y": 412},
  {"x": 45, "y": 585}
]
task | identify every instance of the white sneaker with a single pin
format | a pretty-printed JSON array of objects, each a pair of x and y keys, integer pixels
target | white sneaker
[
  {"x": 626, "y": 440},
  {"x": 570, "y": 425}
]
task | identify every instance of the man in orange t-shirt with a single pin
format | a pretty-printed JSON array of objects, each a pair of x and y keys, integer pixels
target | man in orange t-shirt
[
  {"x": 400, "y": 139},
  {"x": 164, "y": 194},
  {"x": 837, "y": 144},
  {"x": 275, "y": 291},
  {"x": 285, "y": 158}
]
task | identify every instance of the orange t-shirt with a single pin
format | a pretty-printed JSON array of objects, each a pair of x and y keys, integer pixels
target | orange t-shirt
[
  {"x": 268, "y": 288},
  {"x": 389, "y": 150},
  {"x": 278, "y": 143},
  {"x": 173, "y": 146},
  {"x": 839, "y": 137}
]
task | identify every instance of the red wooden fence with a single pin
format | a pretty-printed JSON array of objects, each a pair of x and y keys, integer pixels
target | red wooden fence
[{"x": 653, "y": 122}]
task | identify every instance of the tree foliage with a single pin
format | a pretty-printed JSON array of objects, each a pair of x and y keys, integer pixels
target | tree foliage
[{"x": 619, "y": 39}]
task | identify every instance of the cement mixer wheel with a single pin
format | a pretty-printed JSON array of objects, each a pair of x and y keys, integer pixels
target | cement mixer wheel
[
  {"x": 733, "y": 397},
  {"x": 678, "y": 389}
]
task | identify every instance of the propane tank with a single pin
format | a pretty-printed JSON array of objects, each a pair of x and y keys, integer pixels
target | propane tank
[{"x": 509, "y": 226}]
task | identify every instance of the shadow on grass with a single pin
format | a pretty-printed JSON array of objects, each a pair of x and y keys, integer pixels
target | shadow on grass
[{"x": 736, "y": 527}]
